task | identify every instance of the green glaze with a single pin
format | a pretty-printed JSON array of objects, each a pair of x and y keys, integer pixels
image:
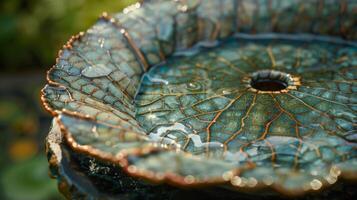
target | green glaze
[
  {"x": 178, "y": 92},
  {"x": 201, "y": 104}
]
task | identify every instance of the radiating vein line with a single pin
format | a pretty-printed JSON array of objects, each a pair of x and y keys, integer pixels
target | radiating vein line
[
  {"x": 323, "y": 99},
  {"x": 215, "y": 96},
  {"x": 242, "y": 121},
  {"x": 208, "y": 131},
  {"x": 316, "y": 110},
  {"x": 325, "y": 89},
  {"x": 273, "y": 154},
  {"x": 229, "y": 64},
  {"x": 296, "y": 156},
  {"x": 271, "y": 56},
  {"x": 95, "y": 99},
  {"x": 173, "y": 94},
  {"x": 198, "y": 115},
  {"x": 267, "y": 126},
  {"x": 156, "y": 111},
  {"x": 250, "y": 63},
  {"x": 297, "y": 132},
  {"x": 351, "y": 82},
  {"x": 291, "y": 116},
  {"x": 263, "y": 136},
  {"x": 298, "y": 58}
]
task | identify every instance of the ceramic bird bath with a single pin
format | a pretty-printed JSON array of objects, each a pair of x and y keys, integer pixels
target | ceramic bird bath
[{"x": 231, "y": 95}]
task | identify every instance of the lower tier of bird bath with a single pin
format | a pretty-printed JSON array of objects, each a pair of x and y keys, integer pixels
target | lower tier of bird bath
[{"x": 278, "y": 102}]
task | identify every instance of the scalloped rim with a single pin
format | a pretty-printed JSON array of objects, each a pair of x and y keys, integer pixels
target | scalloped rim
[{"x": 170, "y": 178}]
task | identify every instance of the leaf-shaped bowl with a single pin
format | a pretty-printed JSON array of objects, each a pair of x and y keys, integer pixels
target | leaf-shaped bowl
[{"x": 241, "y": 95}]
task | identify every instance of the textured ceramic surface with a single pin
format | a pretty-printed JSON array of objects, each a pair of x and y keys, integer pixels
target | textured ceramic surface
[
  {"x": 223, "y": 105},
  {"x": 205, "y": 104}
]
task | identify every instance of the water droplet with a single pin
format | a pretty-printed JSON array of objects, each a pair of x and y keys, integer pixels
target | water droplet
[
  {"x": 101, "y": 42},
  {"x": 316, "y": 184},
  {"x": 95, "y": 132},
  {"x": 335, "y": 171},
  {"x": 331, "y": 179},
  {"x": 226, "y": 92},
  {"x": 189, "y": 179},
  {"x": 269, "y": 180},
  {"x": 96, "y": 71},
  {"x": 314, "y": 172},
  {"x": 252, "y": 182},
  {"x": 156, "y": 79},
  {"x": 187, "y": 53},
  {"x": 236, "y": 181},
  {"x": 227, "y": 175},
  {"x": 194, "y": 86}
]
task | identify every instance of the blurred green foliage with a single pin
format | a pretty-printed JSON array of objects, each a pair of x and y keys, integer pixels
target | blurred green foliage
[
  {"x": 29, "y": 180},
  {"x": 32, "y": 31},
  {"x": 23, "y": 127}
]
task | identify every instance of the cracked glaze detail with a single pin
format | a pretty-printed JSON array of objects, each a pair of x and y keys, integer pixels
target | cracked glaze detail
[
  {"x": 204, "y": 104},
  {"x": 205, "y": 115}
]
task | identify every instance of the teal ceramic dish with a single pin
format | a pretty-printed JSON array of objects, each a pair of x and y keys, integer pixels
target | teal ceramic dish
[{"x": 238, "y": 95}]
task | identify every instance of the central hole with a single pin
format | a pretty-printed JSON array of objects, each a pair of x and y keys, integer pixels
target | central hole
[
  {"x": 269, "y": 80},
  {"x": 269, "y": 85}
]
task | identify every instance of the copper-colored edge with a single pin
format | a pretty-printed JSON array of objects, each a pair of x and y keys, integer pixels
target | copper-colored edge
[
  {"x": 121, "y": 160},
  {"x": 175, "y": 179},
  {"x": 171, "y": 178}
]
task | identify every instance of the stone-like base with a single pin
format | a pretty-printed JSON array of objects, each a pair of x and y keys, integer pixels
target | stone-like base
[{"x": 82, "y": 177}]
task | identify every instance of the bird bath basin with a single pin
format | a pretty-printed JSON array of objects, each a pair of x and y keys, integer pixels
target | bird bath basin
[{"x": 235, "y": 96}]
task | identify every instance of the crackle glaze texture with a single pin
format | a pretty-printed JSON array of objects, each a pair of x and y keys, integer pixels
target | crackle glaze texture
[{"x": 167, "y": 91}]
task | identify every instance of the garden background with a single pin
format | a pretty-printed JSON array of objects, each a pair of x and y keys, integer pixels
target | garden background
[{"x": 31, "y": 33}]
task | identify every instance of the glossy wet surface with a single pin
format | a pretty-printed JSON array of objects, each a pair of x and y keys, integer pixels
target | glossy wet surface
[
  {"x": 300, "y": 110},
  {"x": 255, "y": 113}
]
